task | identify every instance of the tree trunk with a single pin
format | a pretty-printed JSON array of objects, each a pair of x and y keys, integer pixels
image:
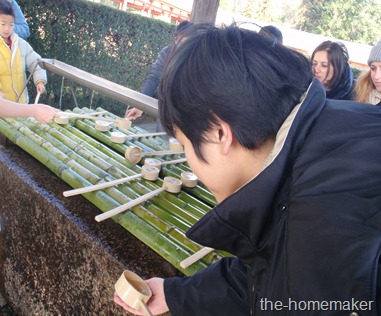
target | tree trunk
[{"x": 204, "y": 11}]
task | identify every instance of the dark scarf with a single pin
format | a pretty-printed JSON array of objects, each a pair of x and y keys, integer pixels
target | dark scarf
[{"x": 344, "y": 89}]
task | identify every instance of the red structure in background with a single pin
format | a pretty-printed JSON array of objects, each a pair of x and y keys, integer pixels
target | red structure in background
[{"x": 162, "y": 9}]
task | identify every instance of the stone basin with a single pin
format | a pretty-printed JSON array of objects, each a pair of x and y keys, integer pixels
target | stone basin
[{"x": 55, "y": 259}]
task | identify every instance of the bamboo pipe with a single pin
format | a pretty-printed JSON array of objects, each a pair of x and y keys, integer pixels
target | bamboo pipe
[
  {"x": 189, "y": 178},
  {"x": 148, "y": 173}
]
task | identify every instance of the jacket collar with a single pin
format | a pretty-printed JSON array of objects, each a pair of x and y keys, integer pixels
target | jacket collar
[{"x": 240, "y": 223}]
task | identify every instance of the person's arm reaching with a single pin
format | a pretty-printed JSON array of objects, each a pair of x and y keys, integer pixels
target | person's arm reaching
[
  {"x": 43, "y": 113},
  {"x": 222, "y": 285}
]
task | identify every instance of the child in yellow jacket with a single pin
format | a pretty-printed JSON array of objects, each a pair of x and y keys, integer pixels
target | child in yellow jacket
[{"x": 16, "y": 57}]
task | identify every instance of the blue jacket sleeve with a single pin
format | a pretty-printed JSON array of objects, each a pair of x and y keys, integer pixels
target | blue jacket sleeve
[
  {"x": 220, "y": 289},
  {"x": 152, "y": 81},
  {"x": 21, "y": 27}
]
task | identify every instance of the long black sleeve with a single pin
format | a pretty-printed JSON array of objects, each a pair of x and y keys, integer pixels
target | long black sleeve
[{"x": 218, "y": 290}]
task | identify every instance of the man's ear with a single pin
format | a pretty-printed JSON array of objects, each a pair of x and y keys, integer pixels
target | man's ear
[{"x": 223, "y": 135}]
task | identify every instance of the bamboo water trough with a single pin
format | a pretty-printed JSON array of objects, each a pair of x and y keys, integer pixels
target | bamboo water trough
[{"x": 83, "y": 156}]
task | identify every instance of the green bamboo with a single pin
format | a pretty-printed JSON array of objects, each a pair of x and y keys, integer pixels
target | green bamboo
[
  {"x": 171, "y": 231},
  {"x": 94, "y": 146},
  {"x": 77, "y": 145},
  {"x": 113, "y": 171},
  {"x": 119, "y": 177},
  {"x": 198, "y": 191},
  {"x": 100, "y": 175},
  {"x": 156, "y": 142},
  {"x": 158, "y": 242},
  {"x": 201, "y": 193},
  {"x": 183, "y": 205},
  {"x": 52, "y": 132},
  {"x": 167, "y": 249},
  {"x": 62, "y": 153},
  {"x": 176, "y": 211},
  {"x": 91, "y": 172},
  {"x": 92, "y": 154},
  {"x": 173, "y": 205},
  {"x": 208, "y": 199},
  {"x": 180, "y": 167},
  {"x": 189, "y": 198},
  {"x": 117, "y": 171},
  {"x": 176, "y": 221},
  {"x": 103, "y": 137},
  {"x": 197, "y": 209},
  {"x": 181, "y": 253},
  {"x": 53, "y": 163},
  {"x": 150, "y": 144}
]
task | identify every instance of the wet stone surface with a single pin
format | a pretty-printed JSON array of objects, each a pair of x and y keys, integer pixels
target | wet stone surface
[{"x": 55, "y": 259}]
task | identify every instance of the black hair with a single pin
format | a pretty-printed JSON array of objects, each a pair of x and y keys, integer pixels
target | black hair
[
  {"x": 236, "y": 75},
  {"x": 337, "y": 57},
  {"x": 6, "y": 8},
  {"x": 272, "y": 32},
  {"x": 181, "y": 28},
  {"x": 183, "y": 25}
]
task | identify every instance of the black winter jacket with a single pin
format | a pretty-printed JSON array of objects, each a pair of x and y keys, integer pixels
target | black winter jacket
[
  {"x": 306, "y": 231},
  {"x": 151, "y": 83}
]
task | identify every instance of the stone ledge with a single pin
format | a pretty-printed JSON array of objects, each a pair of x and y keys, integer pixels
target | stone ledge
[{"x": 55, "y": 259}]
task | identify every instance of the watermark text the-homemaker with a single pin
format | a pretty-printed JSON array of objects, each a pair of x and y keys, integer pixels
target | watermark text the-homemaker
[{"x": 292, "y": 305}]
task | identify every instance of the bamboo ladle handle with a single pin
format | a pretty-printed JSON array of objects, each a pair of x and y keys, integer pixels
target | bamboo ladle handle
[
  {"x": 134, "y": 154},
  {"x": 100, "y": 186},
  {"x": 118, "y": 122},
  {"x": 145, "y": 309},
  {"x": 146, "y": 135},
  {"x": 37, "y": 98},
  {"x": 195, "y": 257},
  {"x": 149, "y": 173},
  {"x": 91, "y": 116},
  {"x": 153, "y": 162},
  {"x": 170, "y": 184},
  {"x": 63, "y": 117},
  {"x": 71, "y": 114}
]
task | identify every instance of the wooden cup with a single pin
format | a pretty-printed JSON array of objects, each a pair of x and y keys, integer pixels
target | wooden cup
[{"x": 132, "y": 289}]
